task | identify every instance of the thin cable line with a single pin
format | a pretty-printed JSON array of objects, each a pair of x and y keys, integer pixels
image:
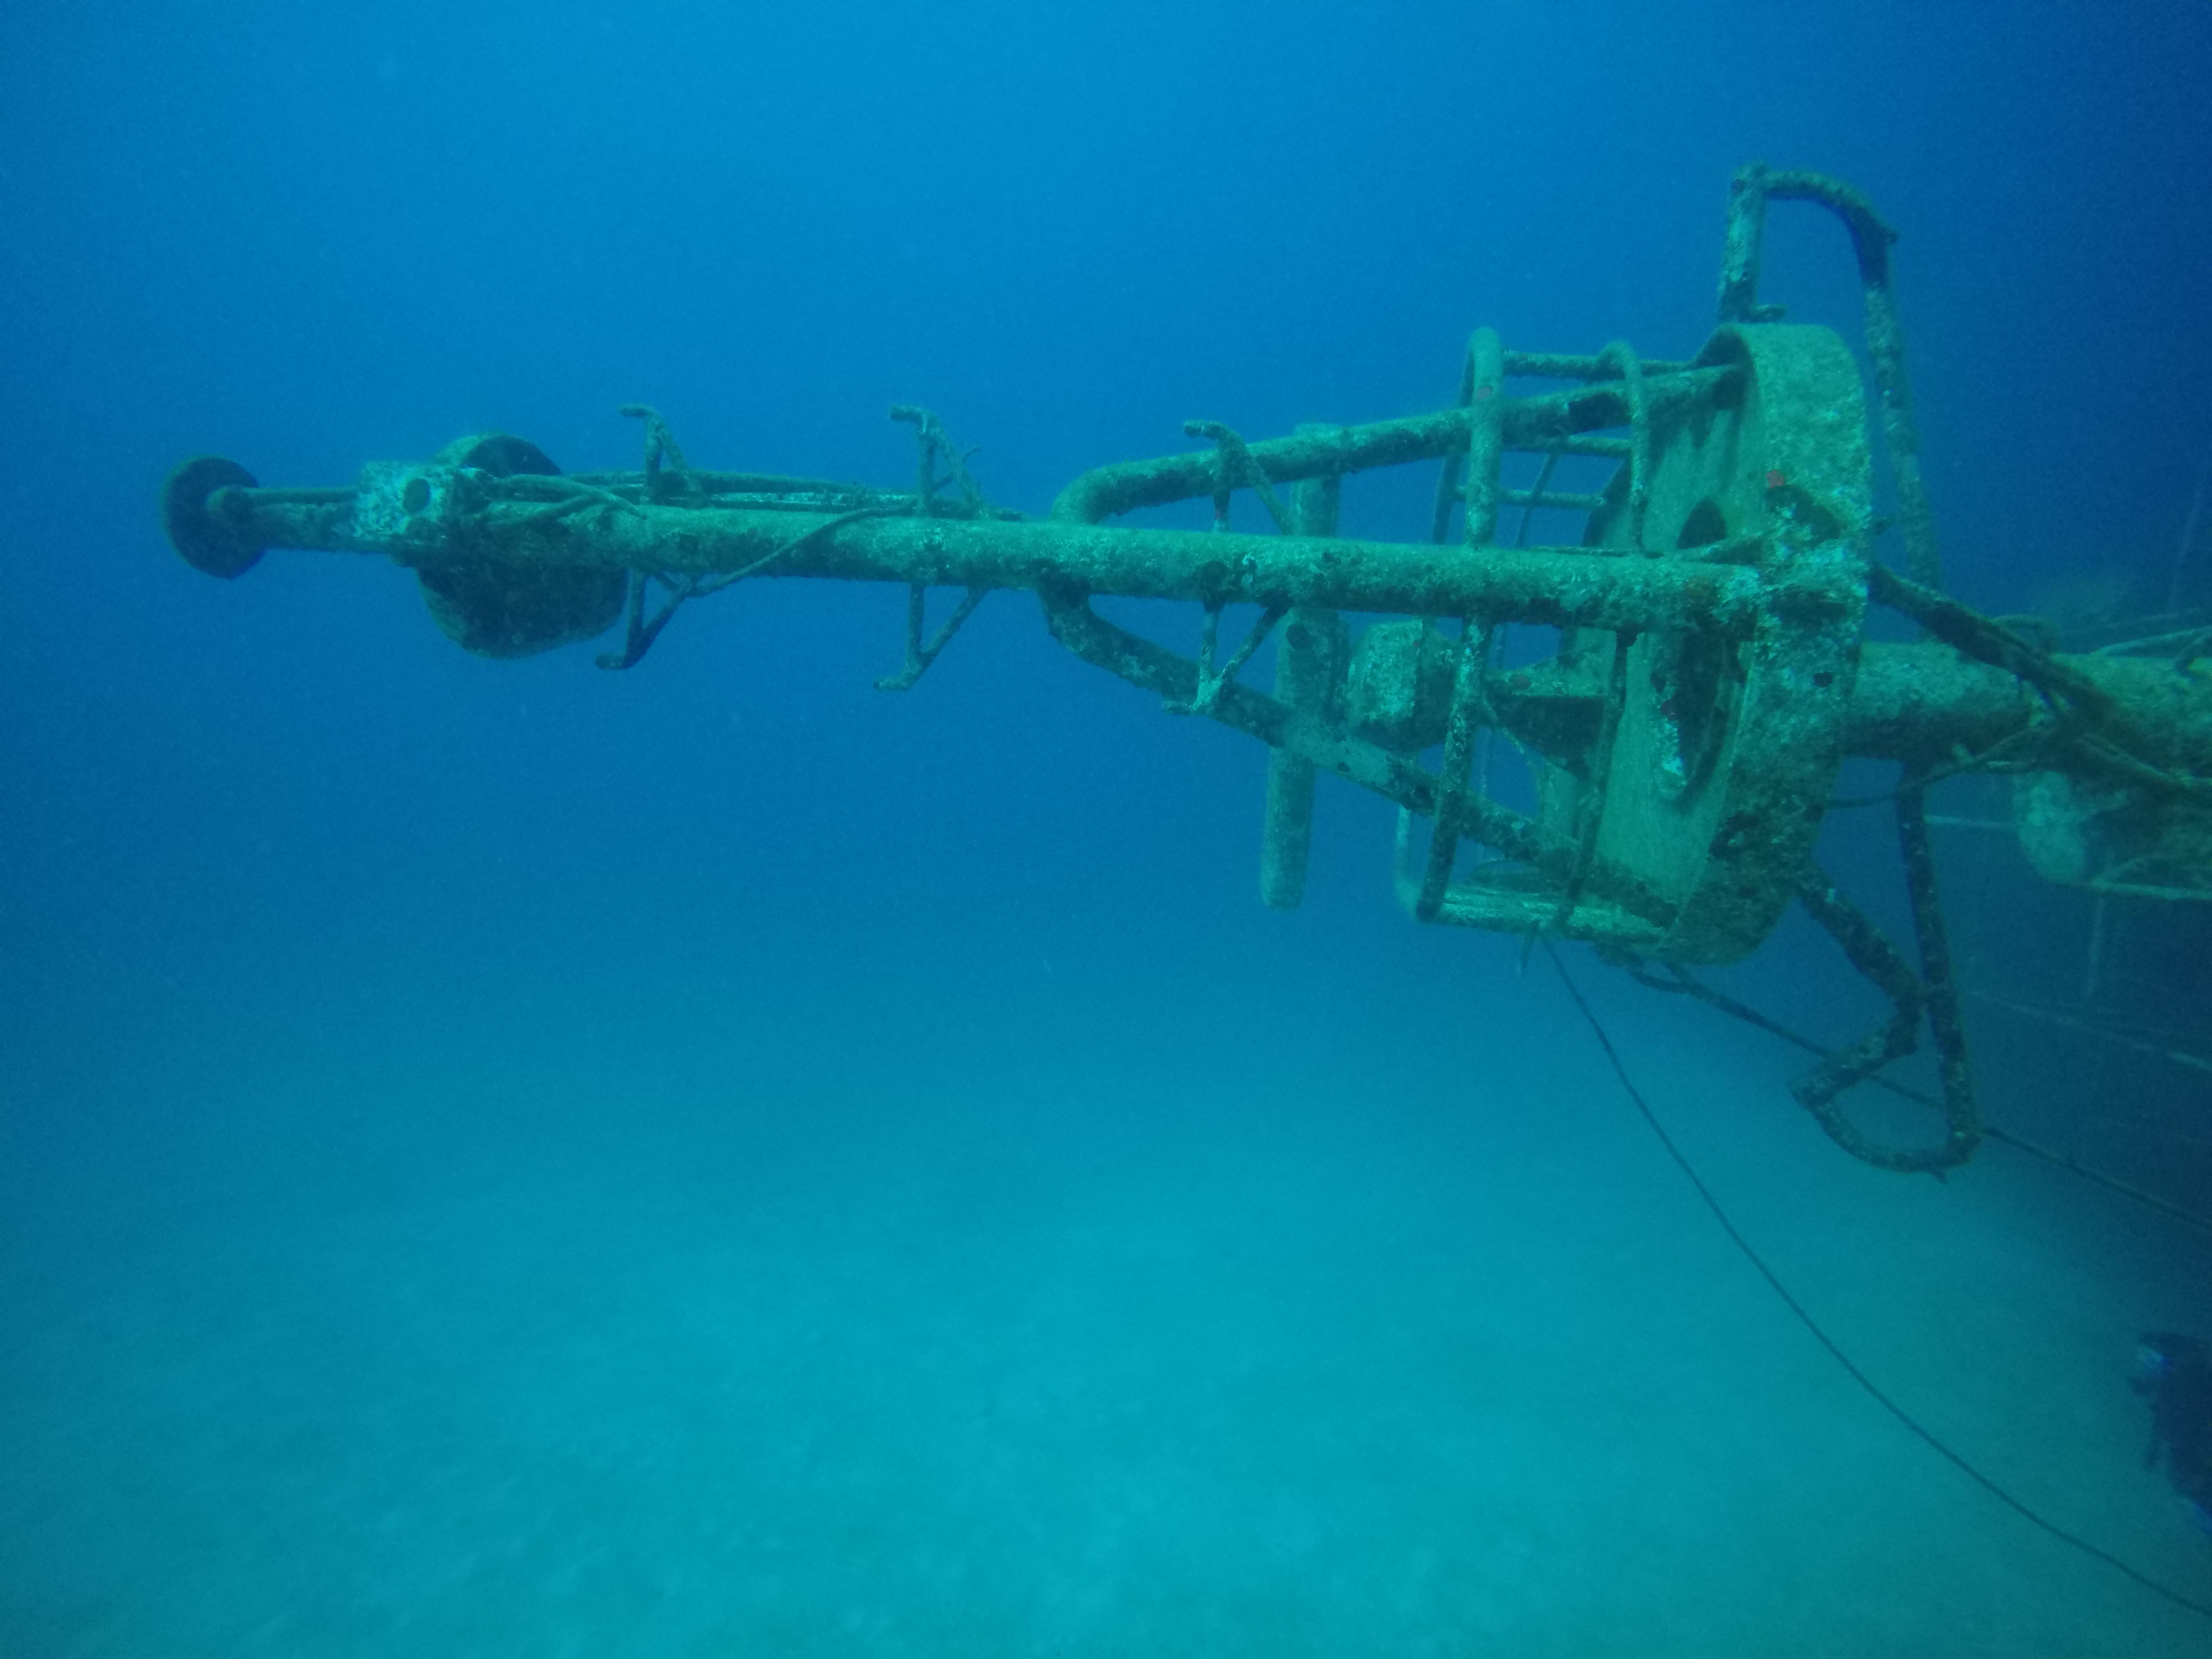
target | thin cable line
[{"x": 1743, "y": 1244}]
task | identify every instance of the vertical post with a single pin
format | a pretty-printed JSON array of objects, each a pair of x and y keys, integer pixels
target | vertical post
[
  {"x": 1746, "y": 229},
  {"x": 1310, "y": 669},
  {"x": 1486, "y": 455},
  {"x": 1485, "y": 434},
  {"x": 1749, "y": 192},
  {"x": 1460, "y": 731},
  {"x": 1900, "y": 433},
  {"x": 1945, "y": 1022}
]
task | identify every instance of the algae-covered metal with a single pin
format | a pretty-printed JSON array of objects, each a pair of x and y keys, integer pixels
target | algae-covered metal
[
  {"x": 1724, "y": 568},
  {"x": 1683, "y": 681}
]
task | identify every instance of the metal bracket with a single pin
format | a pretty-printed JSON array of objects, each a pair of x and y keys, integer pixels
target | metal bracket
[
  {"x": 1212, "y": 683},
  {"x": 918, "y": 656}
]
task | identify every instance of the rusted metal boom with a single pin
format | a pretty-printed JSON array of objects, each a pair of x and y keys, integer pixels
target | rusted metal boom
[{"x": 1683, "y": 681}]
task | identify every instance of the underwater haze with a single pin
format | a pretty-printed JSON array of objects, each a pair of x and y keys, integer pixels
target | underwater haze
[{"x": 503, "y": 1157}]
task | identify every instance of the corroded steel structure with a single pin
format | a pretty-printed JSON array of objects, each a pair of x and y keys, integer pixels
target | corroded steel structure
[{"x": 1684, "y": 681}]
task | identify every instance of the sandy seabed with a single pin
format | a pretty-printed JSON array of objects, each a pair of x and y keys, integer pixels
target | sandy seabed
[{"x": 1389, "y": 1349}]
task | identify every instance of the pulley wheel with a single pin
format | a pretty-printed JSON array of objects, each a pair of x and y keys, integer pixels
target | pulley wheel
[
  {"x": 1706, "y": 776},
  {"x": 204, "y": 541},
  {"x": 1726, "y": 750},
  {"x": 502, "y": 608}
]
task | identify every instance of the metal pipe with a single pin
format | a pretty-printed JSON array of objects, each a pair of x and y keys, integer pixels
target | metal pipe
[
  {"x": 1563, "y": 587},
  {"x": 1106, "y": 492}
]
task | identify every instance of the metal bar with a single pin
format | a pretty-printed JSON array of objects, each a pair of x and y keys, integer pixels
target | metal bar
[
  {"x": 1525, "y": 423},
  {"x": 1485, "y": 444},
  {"x": 1310, "y": 667},
  {"x": 1743, "y": 247},
  {"x": 1591, "y": 807},
  {"x": 1932, "y": 937},
  {"x": 767, "y": 487},
  {"x": 1622, "y": 355},
  {"x": 1910, "y": 701},
  {"x": 1749, "y": 193},
  {"x": 1612, "y": 449},
  {"x": 1447, "y": 485},
  {"x": 1564, "y": 366},
  {"x": 1526, "y": 500},
  {"x": 1211, "y": 682},
  {"x": 1871, "y": 952},
  {"x": 1560, "y": 501},
  {"x": 1561, "y": 588},
  {"x": 921, "y": 655},
  {"x": 1467, "y": 713}
]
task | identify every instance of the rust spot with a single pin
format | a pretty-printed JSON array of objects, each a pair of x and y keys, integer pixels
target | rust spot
[
  {"x": 1776, "y": 478},
  {"x": 1483, "y": 394},
  {"x": 1519, "y": 682}
]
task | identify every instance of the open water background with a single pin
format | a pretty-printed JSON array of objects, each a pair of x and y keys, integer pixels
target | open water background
[{"x": 506, "y": 1158}]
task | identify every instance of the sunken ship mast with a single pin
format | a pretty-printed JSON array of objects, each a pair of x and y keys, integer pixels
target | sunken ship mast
[{"x": 1631, "y": 739}]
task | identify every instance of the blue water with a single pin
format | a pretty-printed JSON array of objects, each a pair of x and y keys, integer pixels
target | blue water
[{"x": 507, "y": 1158}]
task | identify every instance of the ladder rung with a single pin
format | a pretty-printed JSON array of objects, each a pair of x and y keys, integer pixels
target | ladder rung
[
  {"x": 1562, "y": 366},
  {"x": 1565, "y": 501}
]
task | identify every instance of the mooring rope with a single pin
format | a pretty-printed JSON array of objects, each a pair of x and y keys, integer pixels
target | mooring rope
[{"x": 1835, "y": 1352}]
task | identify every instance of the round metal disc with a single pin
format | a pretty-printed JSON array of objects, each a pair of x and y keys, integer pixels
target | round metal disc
[
  {"x": 1726, "y": 750},
  {"x": 195, "y": 533}
]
